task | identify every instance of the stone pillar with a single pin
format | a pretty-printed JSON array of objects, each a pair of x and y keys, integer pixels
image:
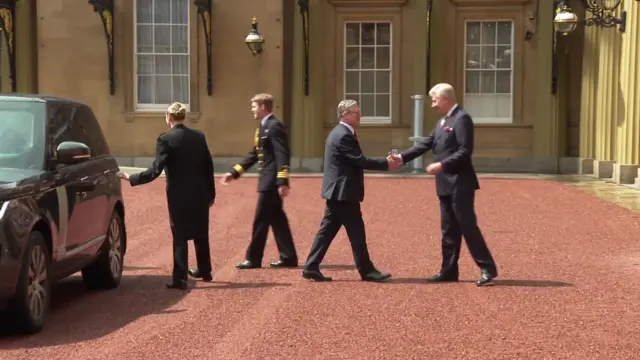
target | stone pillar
[
  {"x": 628, "y": 130},
  {"x": 26, "y": 48},
  {"x": 607, "y": 111},
  {"x": 545, "y": 126},
  {"x": 588, "y": 99}
]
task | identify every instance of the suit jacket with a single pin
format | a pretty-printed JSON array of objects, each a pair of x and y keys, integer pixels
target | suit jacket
[
  {"x": 452, "y": 145},
  {"x": 184, "y": 155},
  {"x": 344, "y": 165},
  {"x": 271, "y": 151}
]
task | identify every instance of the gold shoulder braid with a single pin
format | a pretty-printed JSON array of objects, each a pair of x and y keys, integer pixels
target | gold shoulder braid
[{"x": 258, "y": 148}]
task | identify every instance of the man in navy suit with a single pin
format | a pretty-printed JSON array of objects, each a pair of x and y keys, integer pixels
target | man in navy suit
[{"x": 456, "y": 183}]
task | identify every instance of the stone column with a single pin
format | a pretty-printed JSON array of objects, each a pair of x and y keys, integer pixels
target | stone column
[
  {"x": 628, "y": 129},
  {"x": 26, "y": 48},
  {"x": 607, "y": 111},
  {"x": 588, "y": 99}
]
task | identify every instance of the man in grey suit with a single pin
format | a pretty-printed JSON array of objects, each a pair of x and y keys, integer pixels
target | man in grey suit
[
  {"x": 343, "y": 190},
  {"x": 456, "y": 183}
]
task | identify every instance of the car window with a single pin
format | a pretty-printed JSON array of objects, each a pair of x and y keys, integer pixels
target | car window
[
  {"x": 22, "y": 135},
  {"x": 60, "y": 129},
  {"x": 86, "y": 129}
]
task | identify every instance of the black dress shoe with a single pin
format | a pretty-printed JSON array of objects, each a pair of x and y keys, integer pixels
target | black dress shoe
[
  {"x": 486, "y": 278},
  {"x": 284, "y": 264},
  {"x": 441, "y": 278},
  {"x": 182, "y": 285},
  {"x": 315, "y": 275},
  {"x": 195, "y": 273},
  {"x": 248, "y": 265},
  {"x": 375, "y": 276}
]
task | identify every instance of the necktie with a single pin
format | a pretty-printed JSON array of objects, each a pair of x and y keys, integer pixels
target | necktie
[{"x": 355, "y": 134}]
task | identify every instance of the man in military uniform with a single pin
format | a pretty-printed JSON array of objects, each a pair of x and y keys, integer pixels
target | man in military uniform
[{"x": 271, "y": 151}]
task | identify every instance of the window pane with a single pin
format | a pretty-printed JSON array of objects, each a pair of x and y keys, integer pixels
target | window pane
[
  {"x": 162, "y": 38},
  {"x": 367, "y": 105},
  {"x": 144, "y": 38},
  {"x": 352, "y": 81},
  {"x": 503, "y": 82},
  {"x": 473, "y": 33},
  {"x": 472, "y": 82},
  {"x": 145, "y": 64},
  {"x": 383, "y": 34},
  {"x": 145, "y": 89},
  {"x": 487, "y": 82},
  {"x": 180, "y": 64},
  {"x": 179, "y": 39},
  {"x": 503, "y": 60},
  {"x": 162, "y": 11},
  {"x": 383, "y": 57},
  {"x": 488, "y": 36},
  {"x": 504, "y": 33},
  {"x": 368, "y": 34},
  {"x": 181, "y": 89},
  {"x": 473, "y": 57},
  {"x": 382, "y": 105},
  {"x": 163, "y": 64},
  {"x": 383, "y": 82},
  {"x": 355, "y": 97},
  {"x": 352, "y": 34},
  {"x": 163, "y": 90},
  {"x": 368, "y": 58},
  {"x": 144, "y": 11},
  {"x": 352, "y": 58},
  {"x": 488, "y": 57},
  {"x": 367, "y": 85},
  {"x": 179, "y": 11}
]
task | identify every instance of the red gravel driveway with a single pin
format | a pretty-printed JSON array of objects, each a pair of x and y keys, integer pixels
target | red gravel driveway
[{"x": 569, "y": 268}]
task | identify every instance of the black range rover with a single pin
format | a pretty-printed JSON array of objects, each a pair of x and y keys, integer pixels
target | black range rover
[{"x": 61, "y": 206}]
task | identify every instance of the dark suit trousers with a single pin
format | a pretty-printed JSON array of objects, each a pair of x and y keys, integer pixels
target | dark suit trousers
[
  {"x": 458, "y": 219},
  {"x": 337, "y": 214},
  {"x": 270, "y": 212},
  {"x": 196, "y": 228}
]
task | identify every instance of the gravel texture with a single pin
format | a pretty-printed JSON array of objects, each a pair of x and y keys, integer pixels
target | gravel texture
[{"x": 569, "y": 284}]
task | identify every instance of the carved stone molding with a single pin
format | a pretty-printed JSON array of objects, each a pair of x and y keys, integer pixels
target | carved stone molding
[{"x": 369, "y": 3}]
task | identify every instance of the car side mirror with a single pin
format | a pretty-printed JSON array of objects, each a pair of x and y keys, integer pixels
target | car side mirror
[{"x": 71, "y": 152}]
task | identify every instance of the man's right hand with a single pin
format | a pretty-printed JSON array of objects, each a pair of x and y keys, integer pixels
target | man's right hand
[
  {"x": 226, "y": 179},
  {"x": 394, "y": 161}
]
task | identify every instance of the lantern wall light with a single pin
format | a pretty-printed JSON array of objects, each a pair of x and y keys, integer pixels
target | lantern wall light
[
  {"x": 254, "y": 40},
  {"x": 602, "y": 15}
]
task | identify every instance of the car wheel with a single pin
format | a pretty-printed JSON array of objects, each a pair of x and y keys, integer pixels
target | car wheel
[
  {"x": 30, "y": 305},
  {"x": 106, "y": 271}
]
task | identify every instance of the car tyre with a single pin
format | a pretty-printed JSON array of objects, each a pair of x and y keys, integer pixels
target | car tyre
[
  {"x": 106, "y": 272},
  {"x": 30, "y": 305}
]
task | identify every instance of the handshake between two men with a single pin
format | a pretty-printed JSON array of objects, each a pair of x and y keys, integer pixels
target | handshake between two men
[{"x": 395, "y": 161}]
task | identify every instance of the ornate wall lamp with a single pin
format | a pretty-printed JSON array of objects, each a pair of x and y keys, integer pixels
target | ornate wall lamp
[
  {"x": 204, "y": 10},
  {"x": 254, "y": 40},
  {"x": 104, "y": 8},
  {"x": 602, "y": 15},
  {"x": 304, "y": 12},
  {"x": 7, "y": 17}
]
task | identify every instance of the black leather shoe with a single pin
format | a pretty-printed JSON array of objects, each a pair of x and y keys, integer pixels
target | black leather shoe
[
  {"x": 486, "y": 278},
  {"x": 375, "y": 276},
  {"x": 442, "y": 278},
  {"x": 195, "y": 273},
  {"x": 182, "y": 285},
  {"x": 315, "y": 275},
  {"x": 248, "y": 265},
  {"x": 284, "y": 264}
]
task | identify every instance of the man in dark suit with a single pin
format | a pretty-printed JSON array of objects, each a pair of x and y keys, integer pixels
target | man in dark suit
[
  {"x": 343, "y": 190},
  {"x": 271, "y": 151},
  {"x": 184, "y": 155},
  {"x": 456, "y": 182}
]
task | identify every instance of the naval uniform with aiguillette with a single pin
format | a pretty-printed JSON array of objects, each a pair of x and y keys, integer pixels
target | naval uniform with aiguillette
[{"x": 271, "y": 152}]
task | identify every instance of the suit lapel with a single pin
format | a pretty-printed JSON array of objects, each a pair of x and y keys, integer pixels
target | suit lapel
[{"x": 449, "y": 120}]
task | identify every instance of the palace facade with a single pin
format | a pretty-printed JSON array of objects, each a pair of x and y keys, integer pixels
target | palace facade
[{"x": 542, "y": 101}]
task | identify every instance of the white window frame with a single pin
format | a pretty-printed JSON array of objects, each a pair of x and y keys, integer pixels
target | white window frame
[
  {"x": 369, "y": 120},
  {"x": 491, "y": 120},
  {"x": 156, "y": 107}
]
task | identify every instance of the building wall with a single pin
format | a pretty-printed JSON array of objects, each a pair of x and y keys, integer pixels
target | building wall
[{"x": 72, "y": 62}]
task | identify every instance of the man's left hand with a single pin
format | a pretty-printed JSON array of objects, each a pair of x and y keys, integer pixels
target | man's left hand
[
  {"x": 434, "y": 168},
  {"x": 283, "y": 191}
]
